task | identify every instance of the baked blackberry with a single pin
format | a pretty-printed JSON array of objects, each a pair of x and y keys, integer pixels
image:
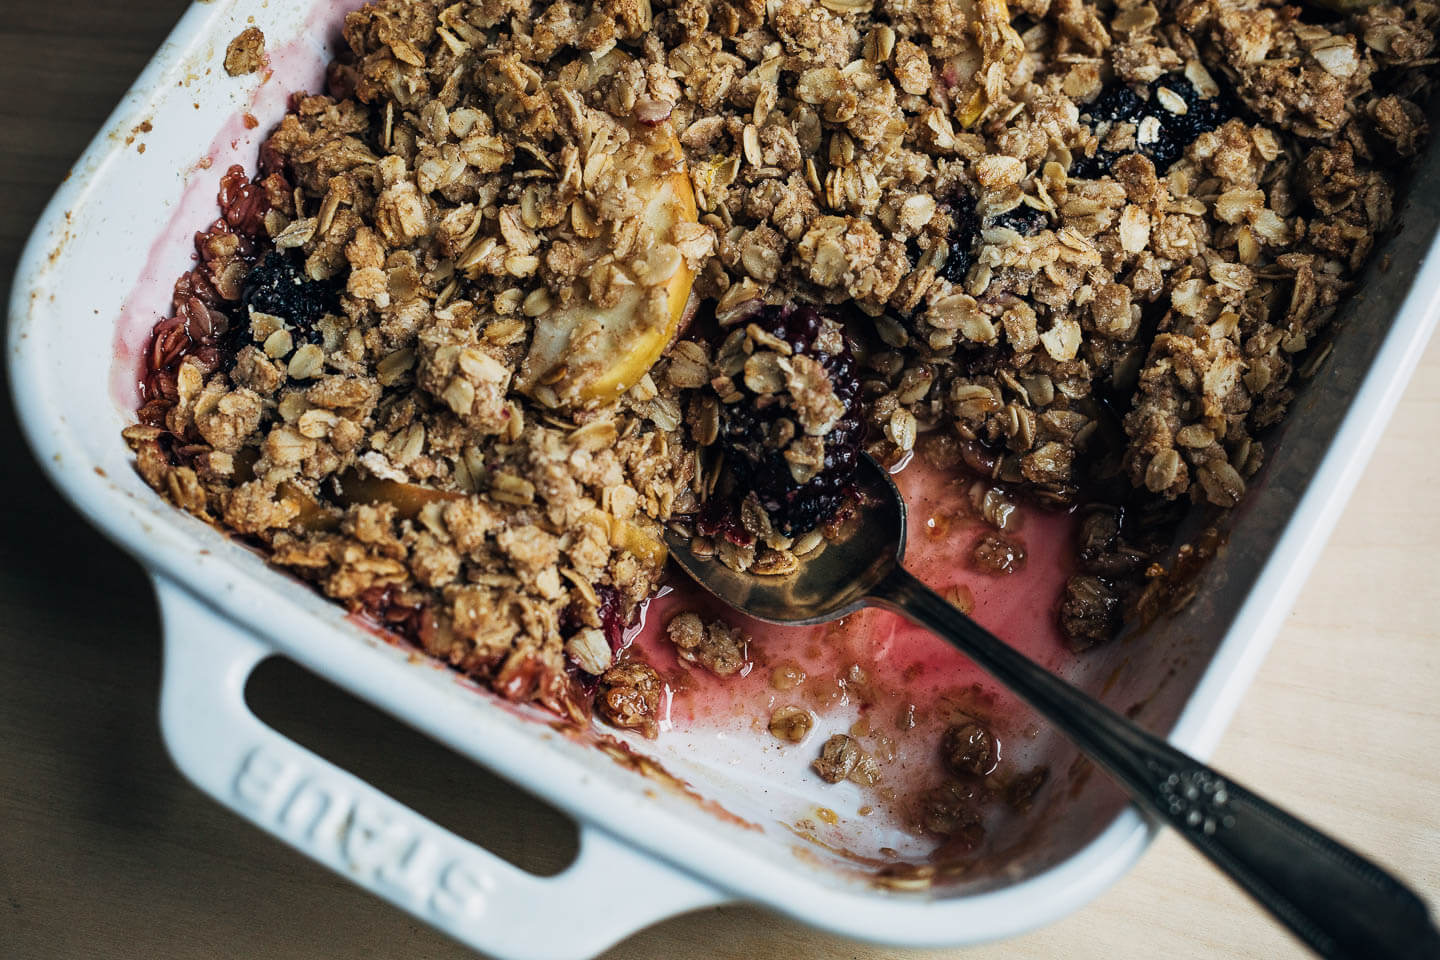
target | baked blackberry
[
  {"x": 1095, "y": 167},
  {"x": 1116, "y": 104},
  {"x": 1024, "y": 220},
  {"x": 277, "y": 285},
  {"x": 1166, "y": 122},
  {"x": 964, "y": 237},
  {"x": 749, "y": 429},
  {"x": 1180, "y": 128}
]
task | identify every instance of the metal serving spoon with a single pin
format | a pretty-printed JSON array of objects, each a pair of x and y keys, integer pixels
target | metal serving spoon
[{"x": 1338, "y": 902}]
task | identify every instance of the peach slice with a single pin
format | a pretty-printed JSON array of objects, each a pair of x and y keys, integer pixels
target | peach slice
[
  {"x": 585, "y": 353},
  {"x": 998, "y": 42},
  {"x": 408, "y": 498},
  {"x": 355, "y": 487},
  {"x": 649, "y": 550},
  {"x": 309, "y": 512}
]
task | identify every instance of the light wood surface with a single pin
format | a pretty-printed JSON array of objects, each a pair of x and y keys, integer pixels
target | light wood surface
[{"x": 106, "y": 852}]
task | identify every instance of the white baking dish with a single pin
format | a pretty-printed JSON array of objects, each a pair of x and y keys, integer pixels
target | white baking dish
[{"x": 645, "y": 852}]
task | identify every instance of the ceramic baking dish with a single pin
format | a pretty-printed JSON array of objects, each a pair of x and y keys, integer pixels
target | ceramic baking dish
[{"x": 648, "y": 848}]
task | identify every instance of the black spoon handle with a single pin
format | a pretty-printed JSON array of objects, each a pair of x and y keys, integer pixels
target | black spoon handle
[{"x": 1338, "y": 902}]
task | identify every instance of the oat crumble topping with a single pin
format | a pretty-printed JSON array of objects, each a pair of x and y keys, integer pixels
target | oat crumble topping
[
  {"x": 246, "y": 52},
  {"x": 528, "y": 281},
  {"x": 715, "y": 646}
]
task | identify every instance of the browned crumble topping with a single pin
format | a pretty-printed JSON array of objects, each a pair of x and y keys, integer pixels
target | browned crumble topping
[
  {"x": 997, "y": 554},
  {"x": 246, "y": 52},
  {"x": 787, "y": 675},
  {"x": 716, "y": 646},
  {"x": 629, "y": 698},
  {"x": 1089, "y": 610},
  {"x": 952, "y": 811},
  {"x": 489, "y": 393},
  {"x": 791, "y": 724},
  {"x": 969, "y": 748},
  {"x": 842, "y": 758}
]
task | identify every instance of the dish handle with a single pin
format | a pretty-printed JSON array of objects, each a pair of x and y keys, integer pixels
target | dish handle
[{"x": 609, "y": 892}]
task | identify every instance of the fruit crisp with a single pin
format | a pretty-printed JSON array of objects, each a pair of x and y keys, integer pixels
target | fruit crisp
[{"x": 528, "y": 281}]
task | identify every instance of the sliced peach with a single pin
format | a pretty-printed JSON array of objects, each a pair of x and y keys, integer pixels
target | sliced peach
[
  {"x": 310, "y": 513},
  {"x": 354, "y": 487},
  {"x": 584, "y": 353},
  {"x": 626, "y": 536},
  {"x": 407, "y": 498}
]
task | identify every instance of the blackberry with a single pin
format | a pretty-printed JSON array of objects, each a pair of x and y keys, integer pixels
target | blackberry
[
  {"x": 1179, "y": 130},
  {"x": 757, "y": 466},
  {"x": 1117, "y": 104},
  {"x": 1024, "y": 220},
  {"x": 964, "y": 236},
  {"x": 278, "y": 286},
  {"x": 1093, "y": 168},
  {"x": 981, "y": 361},
  {"x": 1120, "y": 104},
  {"x": 913, "y": 252}
]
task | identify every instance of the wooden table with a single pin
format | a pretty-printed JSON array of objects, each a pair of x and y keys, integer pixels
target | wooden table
[{"x": 106, "y": 852}]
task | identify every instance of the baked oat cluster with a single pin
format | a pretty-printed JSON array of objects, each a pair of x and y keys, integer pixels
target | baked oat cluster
[{"x": 528, "y": 281}]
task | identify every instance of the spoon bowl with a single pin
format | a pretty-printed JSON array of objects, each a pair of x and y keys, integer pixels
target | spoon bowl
[{"x": 834, "y": 581}]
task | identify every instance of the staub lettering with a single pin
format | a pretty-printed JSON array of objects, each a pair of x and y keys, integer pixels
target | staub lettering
[{"x": 378, "y": 842}]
